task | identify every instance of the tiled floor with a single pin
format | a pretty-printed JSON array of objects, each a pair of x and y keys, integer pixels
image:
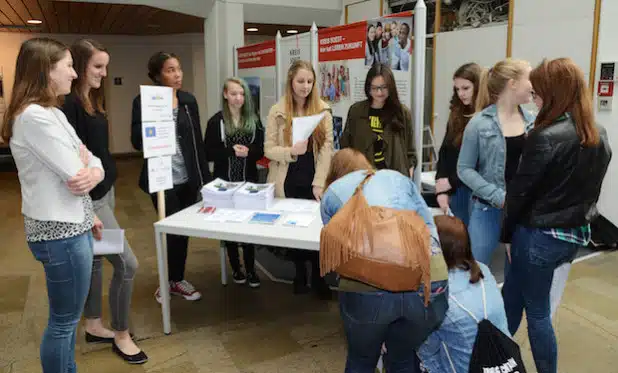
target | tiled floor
[{"x": 235, "y": 329}]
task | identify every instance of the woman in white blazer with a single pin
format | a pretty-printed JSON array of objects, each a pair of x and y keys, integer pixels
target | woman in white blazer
[{"x": 56, "y": 173}]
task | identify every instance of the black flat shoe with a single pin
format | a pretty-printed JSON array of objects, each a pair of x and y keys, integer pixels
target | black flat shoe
[
  {"x": 91, "y": 338},
  {"x": 139, "y": 358}
]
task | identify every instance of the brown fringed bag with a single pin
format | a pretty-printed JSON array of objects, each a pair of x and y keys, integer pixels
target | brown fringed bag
[{"x": 383, "y": 247}]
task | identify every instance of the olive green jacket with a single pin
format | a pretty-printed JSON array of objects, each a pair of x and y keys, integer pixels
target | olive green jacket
[{"x": 399, "y": 152}]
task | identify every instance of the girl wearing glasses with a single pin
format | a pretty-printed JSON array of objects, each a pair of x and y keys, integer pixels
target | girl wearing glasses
[{"x": 380, "y": 127}]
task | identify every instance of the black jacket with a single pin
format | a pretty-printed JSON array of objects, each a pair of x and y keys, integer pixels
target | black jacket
[
  {"x": 93, "y": 131},
  {"x": 188, "y": 131},
  {"x": 219, "y": 152},
  {"x": 558, "y": 181}
]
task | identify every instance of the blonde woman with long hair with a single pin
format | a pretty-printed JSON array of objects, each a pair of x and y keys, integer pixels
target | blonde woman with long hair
[
  {"x": 299, "y": 170},
  {"x": 490, "y": 149}
]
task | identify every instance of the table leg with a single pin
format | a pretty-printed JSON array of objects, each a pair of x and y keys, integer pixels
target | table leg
[
  {"x": 164, "y": 284},
  {"x": 222, "y": 257}
]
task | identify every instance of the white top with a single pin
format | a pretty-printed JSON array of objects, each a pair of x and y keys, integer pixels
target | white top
[{"x": 45, "y": 148}]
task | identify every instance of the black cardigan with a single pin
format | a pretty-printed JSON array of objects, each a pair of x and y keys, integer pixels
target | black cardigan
[
  {"x": 447, "y": 164},
  {"x": 220, "y": 153},
  {"x": 191, "y": 145},
  {"x": 93, "y": 131}
]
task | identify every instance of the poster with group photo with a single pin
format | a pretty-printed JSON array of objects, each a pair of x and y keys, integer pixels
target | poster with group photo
[
  {"x": 256, "y": 65},
  {"x": 347, "y": 52},
  {"x": 293, "y": 48}
]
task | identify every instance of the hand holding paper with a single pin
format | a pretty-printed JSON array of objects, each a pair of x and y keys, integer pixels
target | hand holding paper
[{"x": 302, "y": 127}]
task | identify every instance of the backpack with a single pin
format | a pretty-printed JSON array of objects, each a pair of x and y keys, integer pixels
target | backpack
[
  {"x": 493, "y": 351},
  {"x": 383, "y": 247}
]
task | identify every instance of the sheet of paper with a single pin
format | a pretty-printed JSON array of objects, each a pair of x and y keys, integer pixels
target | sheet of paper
[
  {"x": 298, "y": 220},
  {"x": 112, "y": 242},
  {"x": 158, "y": 126},
  {"x": 302, "y": 127},
  {"x": 229, "y": 216},
  {"x": 296, "y": 205},
  {"x": 160, "y": 174}
]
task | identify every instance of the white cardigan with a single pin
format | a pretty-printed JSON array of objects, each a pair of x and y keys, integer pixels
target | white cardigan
[{"x": 46, "y": 151}]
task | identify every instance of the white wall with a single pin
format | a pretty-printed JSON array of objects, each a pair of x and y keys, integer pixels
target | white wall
[
  {"x": 361, "y": 10},
  {"x": 255, "y": 39},
  {"x": 129, "y": 58},
  {"x": 485, "y": 46},
  {"x": 553, "y": 29},
  {"x": 608, "y": 52}
]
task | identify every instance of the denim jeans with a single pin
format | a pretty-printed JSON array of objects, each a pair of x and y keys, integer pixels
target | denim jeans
[
  {"x": 534, "y": 257},
  {"x": 460, "y": 203},
  {"x": 400, "y": 320},
  {"x": 68, "y": 266},
  {"x": 484, "y": 229}
]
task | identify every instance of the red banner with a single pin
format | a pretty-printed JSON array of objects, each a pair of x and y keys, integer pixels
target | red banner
[
  {"x": 346, "y": 42},
  {"x": 257, "y": 55}
]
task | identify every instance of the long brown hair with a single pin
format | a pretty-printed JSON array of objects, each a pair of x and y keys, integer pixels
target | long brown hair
[
  {"x": 82, "y": 51},
  {"x": 460, "y": 114},
  {"x": 455, "y": 244},
  {"x": 560, "y": 83},
  {"x": 494, "y": 81},
  {"x": 35, "y": 61},
  {"x": 393, "y": 109},
  {"x": 346, "y": 161},
  {"x": 313, "y": 105}
]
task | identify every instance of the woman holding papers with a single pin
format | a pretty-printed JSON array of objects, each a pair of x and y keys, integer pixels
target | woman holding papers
[
  {"x": 83, "y": 108},
  {"x": 234, "y": 141},
  {"x": 298, "y": 169},
  {"x": 381, "y": 126},
  {"x": 56, "y": 173},
  {"x": 189, "y": 168}
]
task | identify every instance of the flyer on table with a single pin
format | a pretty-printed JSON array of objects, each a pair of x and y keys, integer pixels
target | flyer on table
[
  {"x": 347, "y": 52},
  {"x": 158, "y": 127},
  {"x": 256, "y": 65}
]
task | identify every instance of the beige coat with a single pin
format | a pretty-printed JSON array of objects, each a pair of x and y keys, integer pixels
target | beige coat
[{"x": 280, "y": 156}]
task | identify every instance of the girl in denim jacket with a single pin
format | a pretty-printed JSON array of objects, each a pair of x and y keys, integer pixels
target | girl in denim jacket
[{"x": 490, "y": 150}]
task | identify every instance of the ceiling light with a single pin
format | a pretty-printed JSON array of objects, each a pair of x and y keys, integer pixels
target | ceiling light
[
  {"x": 252, "y": 29},
  {"x": 34, "y": 21},
  {"x": 292, "y": 31}
]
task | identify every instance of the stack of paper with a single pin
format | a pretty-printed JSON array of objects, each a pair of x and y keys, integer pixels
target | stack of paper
[
  {"x": 254, "y": 196},
  {"x": 220, "y": 193}
]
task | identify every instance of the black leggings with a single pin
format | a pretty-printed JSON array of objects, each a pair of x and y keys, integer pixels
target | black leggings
[
  {"x": 248, "y": 253},
  {"x": 176, "y": 199}
]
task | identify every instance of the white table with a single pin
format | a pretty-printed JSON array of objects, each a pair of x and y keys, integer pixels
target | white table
[{"x": 189, "y": 222}]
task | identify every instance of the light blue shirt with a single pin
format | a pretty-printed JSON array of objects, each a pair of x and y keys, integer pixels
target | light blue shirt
[{"x": 458, "y": 330}]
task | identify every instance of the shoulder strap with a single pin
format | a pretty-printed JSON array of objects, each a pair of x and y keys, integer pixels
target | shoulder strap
[{"x": 452, "y": 297}]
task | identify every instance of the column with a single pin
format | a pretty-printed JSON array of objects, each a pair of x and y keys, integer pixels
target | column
[{"x": 223, "y": 30}]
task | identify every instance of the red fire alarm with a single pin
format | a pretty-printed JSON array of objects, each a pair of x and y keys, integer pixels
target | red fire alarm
[{"x": 606, "y": 89}]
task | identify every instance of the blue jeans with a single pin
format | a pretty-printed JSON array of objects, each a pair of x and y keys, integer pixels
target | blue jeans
[
  {"x": 484, "y": 229},
  {"x": 68, "y": 267},
  {"x": 460, "y": 203},
  {"x": 400, "y": 320},
  {"x": 534, "y": 257}
]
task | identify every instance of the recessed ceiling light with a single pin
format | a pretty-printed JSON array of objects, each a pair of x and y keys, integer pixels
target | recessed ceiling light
[
  {"x": 34, "y": 21},
  {"x": 292, "y": 31},
  {"x": 252, "y": 29}
]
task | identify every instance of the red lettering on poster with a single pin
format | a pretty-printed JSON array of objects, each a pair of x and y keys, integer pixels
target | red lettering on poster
[
  {"x": 346, "y": 42},
  {"x": 400, "y": 15},
  {"x": 257, "y": 55},
  {"x": 606, "y": 89}
]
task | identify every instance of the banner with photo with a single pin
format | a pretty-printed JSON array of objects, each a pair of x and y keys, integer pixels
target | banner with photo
[
  {"x": 293, "y": 48},
  {"x": 347, "y": 52},
  {"x": 256, "y": 65}
]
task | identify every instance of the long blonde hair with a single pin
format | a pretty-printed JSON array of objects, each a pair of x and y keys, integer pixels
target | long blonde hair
[
  {"x": 494, "y": 81},
  {"x": 313, "y": 105},
  {"x": 32, "y": 85}
]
